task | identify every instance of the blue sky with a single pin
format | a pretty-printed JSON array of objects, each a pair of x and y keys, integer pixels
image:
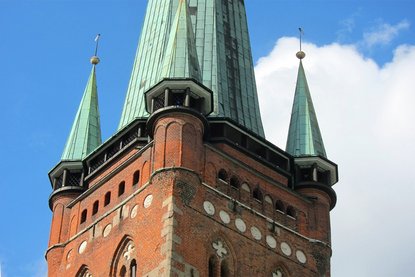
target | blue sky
[{"x": 45, "y": 46}]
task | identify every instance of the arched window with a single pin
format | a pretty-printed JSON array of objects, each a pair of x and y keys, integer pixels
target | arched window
[
  {"x": 224, "y": 271},
  {"x": 136, "y": 177},
  {"x": 83, "y": 215},
  {"x": 107, "y": 199},
  {"x": 121, "y": 188},
  {"x": 123, "y": 271},
  {"x": 133, "y": 268},
  {"x": 223, "y": 175},
  {"x": 257, "y": 194},
  {"x": 291, "y": 211},
  {"x": 212, "y": 267},
  {"x": 95, "y": 207},
  {"x": 83, "y": 272},
  {"x": 234, "y": 182},
  {"x": 279, "y": 206}
]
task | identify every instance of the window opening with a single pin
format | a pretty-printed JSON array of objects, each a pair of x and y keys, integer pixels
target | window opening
[
  {"x": 95, "y": 207},
  {"x": 121, "y": 188},
  {"x": 223, "y": 175},
  {"x": 133, "y": 269},
  {"x": 257, "y": 194},
  {"x": 107, "y": 198},
  {"x": 136, "y": 177},
  {"x": 83, "y": 215}
]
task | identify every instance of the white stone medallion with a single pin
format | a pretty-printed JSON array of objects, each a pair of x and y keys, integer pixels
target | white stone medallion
[
  {"x": 240, "y": 225},
  {"x": 209, "y": 208},
  {"x": 271, "y": 241},
  {"x": 224, "y": 216},
  {"x": 286, "y": 249},
  {"x": 301, "y": 257},
  {"x": 134, "y": 211},
  {"x": 82, "y": 247},
  {"x": 256, "y": 233},
  {"x": 107, "y": 230},
  {"x": 148, "y": 200}
]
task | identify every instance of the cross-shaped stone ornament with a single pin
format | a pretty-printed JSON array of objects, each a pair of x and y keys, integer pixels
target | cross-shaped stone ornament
[
  {"x": 220, "y": 248},
  {"x": 277, "y": 273},
  {"x": 129, "y": 252}
]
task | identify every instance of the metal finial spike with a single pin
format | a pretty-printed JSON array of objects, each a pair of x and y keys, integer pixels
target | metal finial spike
[
  {"x": 300, "y": 54},
  {"x": 95, "y": 60}
]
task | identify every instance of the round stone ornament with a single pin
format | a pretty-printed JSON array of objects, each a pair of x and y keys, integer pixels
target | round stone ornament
[
  {"x": 256, "y": 233},
  {"x": 286, "y": 249},
  {"x": 271, "y": 241},
  {"x": 148, "y": 200},
  {"x": 301, "y": 257},
  {"x": 224, "y": 216},
  {"x": 107, "y": 230},
  {"x": 134, "y": 211},
  {"x": 82, "y": 247},
  {"x": 209, "y": 208},
  {"x": 240, "y": 225}
]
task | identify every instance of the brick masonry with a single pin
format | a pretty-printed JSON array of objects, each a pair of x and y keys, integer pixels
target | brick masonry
[{"x": 181, "y": 219}]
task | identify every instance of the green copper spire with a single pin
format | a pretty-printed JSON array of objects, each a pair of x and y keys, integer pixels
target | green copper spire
[
  {"x": 219, "y": 33},
  {"x": 180, "y": 58},
  {"x": 304, "y": 137},
  {"x": 85, "y": 134}
]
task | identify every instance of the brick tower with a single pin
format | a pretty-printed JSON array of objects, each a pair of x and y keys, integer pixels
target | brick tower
[{"x": 188, "y": 185}]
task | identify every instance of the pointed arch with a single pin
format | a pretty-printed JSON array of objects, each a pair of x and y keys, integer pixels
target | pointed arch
[
  {"x": 221, "y": 256},
  {"x": 83, "y": 272},
  {"x": 280, "y": 270},
  {"x": 124, "y": 259}
]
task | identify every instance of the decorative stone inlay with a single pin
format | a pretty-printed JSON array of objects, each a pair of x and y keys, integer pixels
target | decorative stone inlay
[
  {"x": 148, "y": 200},
  {"x": 129, "y": 252},
  {"x": 301, "y": 256},
  {"x": 220, "y": 248},
  {"x": 224, "y": 216},
  {"x": 256, "y": 233},
  {"x": 69, "y": 256},
  {"x": 245, "y": 187},
  {"x": 286, "y": 249},
  {"x": 134, "y": 211},
  {"x": 271, "y": 241},
  {"x": 82, "y": 247},
  {"x": 268, "y": 199},
  {"x": 277, "y": 273},
  {"x": 240, "y": 225},
  {"x": 209, "y": 208},
  {"x": 107, "y": 230}
]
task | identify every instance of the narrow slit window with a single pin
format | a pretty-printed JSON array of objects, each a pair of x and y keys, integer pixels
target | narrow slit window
[
  {"x": 136, "y": 177},
  {"x": 95, "y": 207},
  {"x": 84, "y": 215},
  {"x": 121, "y": 188},
  {"x": 107, "y": 199}
]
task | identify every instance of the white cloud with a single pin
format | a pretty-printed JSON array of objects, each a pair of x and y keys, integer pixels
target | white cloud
[
  {"x": 366, "y": 117},
  {"x": 384, "y": 33}
]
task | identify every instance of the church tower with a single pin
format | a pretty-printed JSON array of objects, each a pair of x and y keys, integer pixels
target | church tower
[{"x": 188, "y": 186}]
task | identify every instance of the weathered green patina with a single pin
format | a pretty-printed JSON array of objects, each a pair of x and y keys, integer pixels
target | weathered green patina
[
  {"x": 222, "y": 49},
  {"x": 85, "y": 135},
  {"x": 304, "y": 137}
]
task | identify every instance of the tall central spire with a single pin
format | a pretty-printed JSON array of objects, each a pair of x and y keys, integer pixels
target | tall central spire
[{"x": 219, "y": 33}]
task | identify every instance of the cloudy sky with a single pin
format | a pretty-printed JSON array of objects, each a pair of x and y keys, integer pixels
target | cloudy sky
[{"x": 360, "y": 65}]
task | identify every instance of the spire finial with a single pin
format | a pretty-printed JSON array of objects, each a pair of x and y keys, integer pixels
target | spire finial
[
  {"x": 300, "y": 54},
  {"x": 95, "y": 60}
]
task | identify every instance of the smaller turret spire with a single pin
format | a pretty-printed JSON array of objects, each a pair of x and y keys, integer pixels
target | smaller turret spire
[
  {"x": 180, "y": 58},
  {"x": 85, "y": 135},
  {"x": 304, "y": 137}
]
